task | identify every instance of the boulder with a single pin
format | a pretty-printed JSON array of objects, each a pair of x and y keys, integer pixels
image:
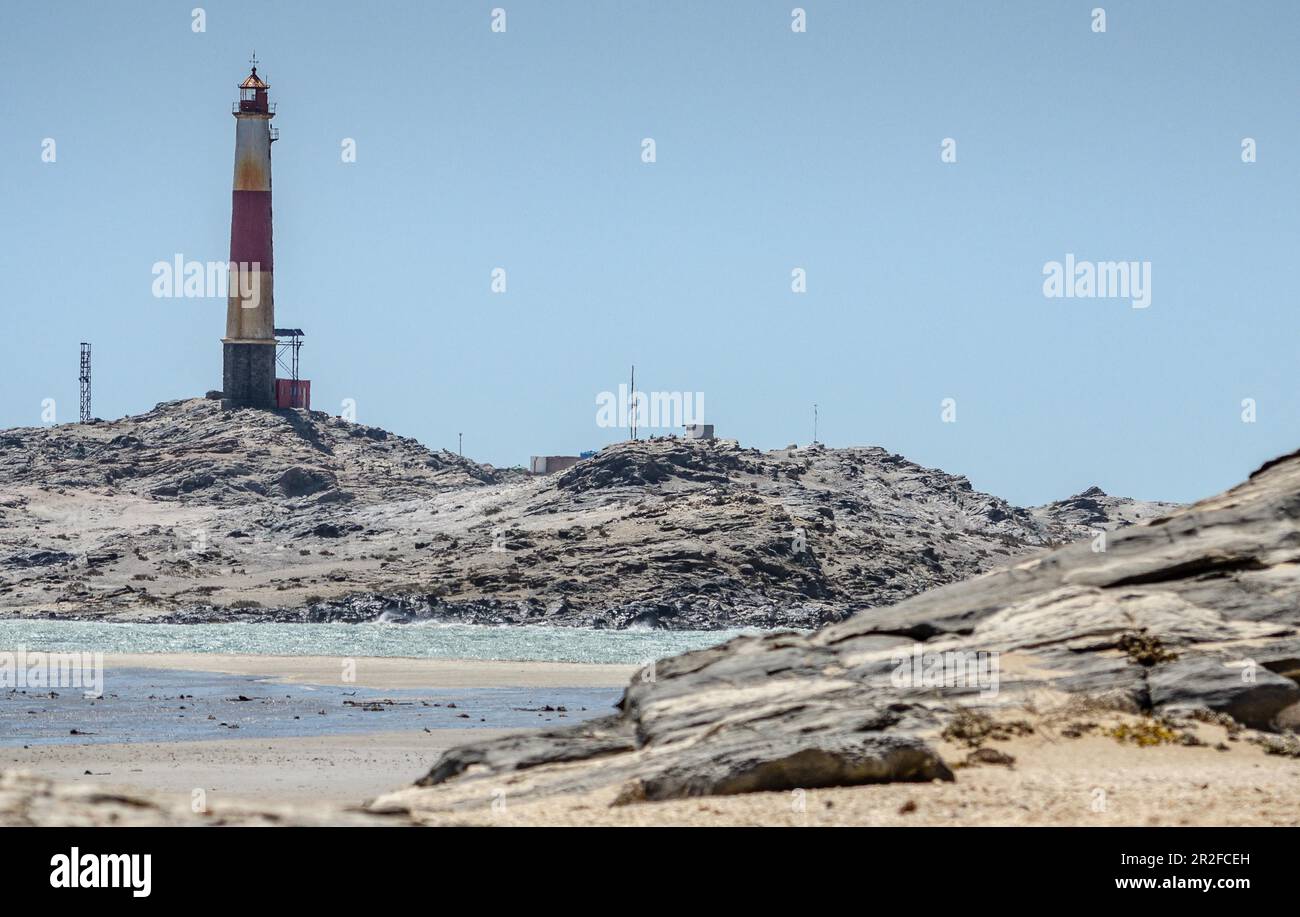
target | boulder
[
  {"x": 301, "y": 482},
  {"x": 1249, "y": 693}
]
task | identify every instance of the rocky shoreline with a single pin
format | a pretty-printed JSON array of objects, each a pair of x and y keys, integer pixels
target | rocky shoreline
[{"x": 414, "y": 609}]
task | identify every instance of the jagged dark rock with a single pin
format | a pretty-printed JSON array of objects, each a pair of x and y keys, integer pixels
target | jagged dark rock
[{"x": 299, "y": 482}]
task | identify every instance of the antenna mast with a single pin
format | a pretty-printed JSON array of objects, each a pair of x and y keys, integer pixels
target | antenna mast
[
  {"x": 85, "y": 382},
  {"x": 632, "y": 400}
]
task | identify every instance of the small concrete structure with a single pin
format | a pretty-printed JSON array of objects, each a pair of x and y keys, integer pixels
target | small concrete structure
[
  {"x": 549, "y": 464},
  {"x": 293, "y": 393},
  {"x": 699, "y": 431}
]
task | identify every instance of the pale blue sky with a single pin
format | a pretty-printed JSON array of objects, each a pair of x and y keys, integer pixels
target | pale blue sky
[{"x": 775, "y": 150}]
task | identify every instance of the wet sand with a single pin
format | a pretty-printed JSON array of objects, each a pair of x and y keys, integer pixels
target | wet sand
[
  {"x": 339, "y": 769},
  {"x": 387, "y": 672}
]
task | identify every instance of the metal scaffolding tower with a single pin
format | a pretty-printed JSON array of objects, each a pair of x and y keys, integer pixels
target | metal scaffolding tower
[
  {"x": 85, "y": 382},
  {"x": 288, "y": 343}
]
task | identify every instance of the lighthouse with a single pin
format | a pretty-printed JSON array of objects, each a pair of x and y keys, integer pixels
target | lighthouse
[{"x": 248, "y": 349}]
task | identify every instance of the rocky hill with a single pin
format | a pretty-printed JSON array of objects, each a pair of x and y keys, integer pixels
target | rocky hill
[
  {"x": 1084, "y": 514},
  {"x": 194, "y": 513},
  {"x": 1191, "y": 619}
]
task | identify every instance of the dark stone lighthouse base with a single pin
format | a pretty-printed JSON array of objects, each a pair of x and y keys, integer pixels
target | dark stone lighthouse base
[{"x": 248, "y": 374}]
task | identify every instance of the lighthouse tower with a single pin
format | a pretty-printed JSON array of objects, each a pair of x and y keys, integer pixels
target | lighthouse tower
[{"x": 248, "y": 349}]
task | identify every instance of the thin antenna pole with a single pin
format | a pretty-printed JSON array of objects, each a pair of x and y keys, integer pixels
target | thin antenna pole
[
  {"x": 632, "y": 400},
  {"x": 814, "y": 421},
  {"x": 460, "y": 442}
]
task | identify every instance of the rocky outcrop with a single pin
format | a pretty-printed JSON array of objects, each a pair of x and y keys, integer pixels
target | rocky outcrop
[
  {"x": 1196, "y": 613},
  {"x": 193, "y": 452},
  {"x": 1092, "y": 511},
  {"x": 195, "y": 513}
]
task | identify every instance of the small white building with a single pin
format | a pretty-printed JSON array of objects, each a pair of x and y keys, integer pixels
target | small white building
[
  {"x": 699, "y": 431},
  {"x": 549, "y": 464}
]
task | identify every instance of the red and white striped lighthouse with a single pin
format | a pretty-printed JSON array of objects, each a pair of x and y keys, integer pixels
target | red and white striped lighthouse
[{"x": 248, "y": 349}]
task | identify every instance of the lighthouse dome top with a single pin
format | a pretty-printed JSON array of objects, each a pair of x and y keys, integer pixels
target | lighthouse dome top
[{"x": 254, "y": 81}]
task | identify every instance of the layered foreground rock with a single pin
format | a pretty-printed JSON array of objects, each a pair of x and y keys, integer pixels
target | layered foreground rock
[
  {"x": 193, "y": 513},
  {"x": 1194, "y": 616},
  {"x": 29, "y": 800}
]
